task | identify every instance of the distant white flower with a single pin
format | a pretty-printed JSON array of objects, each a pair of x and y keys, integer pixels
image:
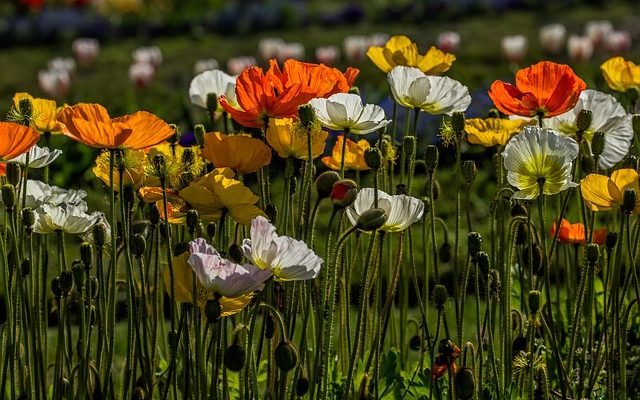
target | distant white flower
[
  {"x": 355, "y": 47},
  {"x": 402, "y": 210},
  {"x": 597, "y": 31},
  {"x": 212, "y": 82},
  {"x": 236, "y": 65},
  {"x": 66, "y": 218},
  {"x": 207, "y": 64},
  {"x": 378, "y": 39},
  {"x": 269, "y": 48},
  {"x": 85, "y": 50},
  {"x": 608, "y": 116},
  {"x": 435, "y": 95},
  {"x": 39, "y": 157},
  {"x": 54, "y": 82},
  {"x": 222, "y": 276},
  {"x": 618, "y": 42},
  {"x": 291, "y": 50},
  {"x": 448, "y": 41},
  {"x": 148, "y": 54},
  {"x": 327, "y": 55},
  {"x": 345, "y": 111},
  {"x": 536, "y": 157},
  {"x": 579, "y": 48},
  {"x": 65, "y": 64},
  {"x": 552, "y": 37},
  {"x": 141, "y": 74},
  {"x": 514, "y": 48},
  {"x": 287, "y": 258}
]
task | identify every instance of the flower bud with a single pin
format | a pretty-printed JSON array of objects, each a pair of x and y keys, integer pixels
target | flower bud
[
  {"x": 56, "y": 287},
  {"x": 469, "y": 171},
  {"x": 409, "y": 145},
  {"x": 440, "y": 296},
  {"x": 521, "y": 233},
  {"x": 25, "y": 267},
  {"x": 583, "y": 120},
  {"x": 344, "y": 192},
  {"x": 415, "y": 343},
  {"x": 474, "y": 242},
  {"x": 8, "y": 196},
  {"x": 465, "y": 384},
  {"x": 457, "y": 121},
  {"x": 235, "y": 253},
  {"x": 25, "y": 107},
  {"x": 372, "y": 219},
  {"x": 154, "y": 215},
  {"x": 66, "y": 282},
  {"x": 494, "y": 283},
  {"x": 293, "y": 185},
  {"x": 212, "y": 309},
  {"x": 493, "y": 113},
  {"x": 159, "y": 164},
  {"x": 482, "y": 261},
  {"x": 431, "y": 156},
  {"x": 28, "y": 217},
  {"x": 611, "y": 240},
  {"x": 211, "y": 230},
  {"x": 234, "y": 357},
  {"x": 86, "y": 254},
  {"x": 444, "y": 253},
  {"x": 286, "y": 356},
  {"x": 307, "y": 115},
  {"x": 212, "y": 101},
  {"x": 78, "y": 273},
  {"x": 518, "y": 345},
  {"x": 272, "y": 212},
  {"x": 629, "y": 199},
  {"x": 593, "y": 253},
  {"x": 373, "y": 158},
  {"x": 199, "y": 132},
  {"x": 13, "y": 173},
  {"x": 597, "y": 143},
  {"x": 193, "y": 220},
  {"x": 302, "y": 385},
  {"x": 533, "y": 300},
  {"x": 138, "y": 245},
  {"x": 324, "y": 183},
  {"x": 99, "y": 235}
]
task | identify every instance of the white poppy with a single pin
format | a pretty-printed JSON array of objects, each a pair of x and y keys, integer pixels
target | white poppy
[
  {"x": 288, "y": 259},
  {"x": 206, "y": 64},
  {"x": 85, "y": 50},
  {"x": 236, "y": 65},
  {"x": 65, "y": 64},
  {"x": 39, "y": 193},
  {"x": 448, "y": 41},
  {"x": 345, "y": 111},
  {"x": 212, "y": 82},
  {"x": 539, "y": 156},
  {"x": 552, "y": 37},
  {"x": 608, "y": 116},
  {"x": 618, "y": 42},
  {"x": 327, "y": 55},
  {"x": 597, "y": 31},
  {"x": 402, "y": 210},
  {"x": 67, "y": 218},
  {"x": 148, "y": 54},
  {"x": 39, "y": 157},
  {"x": 579, "y": 48},
  {"x": 514, "y": 48},
  {"x": 222, "y": 276},
  {"x": 141, "y": 74},
  {"x": 435, "y": 95},
  {"x": 54, "y": 82}
]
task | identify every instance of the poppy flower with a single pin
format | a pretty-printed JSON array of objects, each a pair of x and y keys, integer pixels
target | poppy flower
[
  {"x": 545, "y": 89},
  {"x": 67, "y": 218},
  {"x": 575, "y": 233},
  {"x": 345, "y": 112},
  {"x": 90, "y": 124},
  {"x": 241, "y": 153},
  {"x": 44, "y": 112},
  {"x": 537, "y": 156},
  {"x": 620, "y": 74},
  {"x": 278, "y": 93},
  {"x": 446, "y": 359},
  {"x": 289, "y": 139},
  {"x": 492, "y": 131},
  {"x": 16, "y": 139},
  {"x": 400, "y": 50},
  {"x": 134, "y": 165},
  {"x": 353, "y": 156},
  {"x": 213, "y": 82},
  {"x": 602, "y": 193},
  {"x": 39, "y": 157}
]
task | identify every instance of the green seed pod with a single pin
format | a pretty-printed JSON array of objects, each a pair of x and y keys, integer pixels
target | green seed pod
[
  {"x": 307, "y": 115},
  {"x": 86, "y": 254},
  {"x": 234, "y": 357},
  {"x": 28, "y": 217},
  {"x": 440, "y": 296},
  {"x": 13, "y": 173},
  {"x": 457, "y": 121},
  {"x": 373, "y": 158},
  {"x": 474, "y": 242},
  {"x": 343, "y": 193},
  {"x": 212, "y": 102},
  {"x": 272, "y": 213},
  {"x": 372, "y": 219},
  {"x": 213, "y": 310},
  {"x": 193, "y": 220},
  {"x": 533, "y": 300},
  {"x": 160, "y": 166},
  {"x": 593, "y": 253},
  {"x": 597, "y": 143},
  {"x": 409, "y": 145},
  {"x": 444, "y": 253},
  {"x": 286, "y": 355},
  {"x": 469, "y": 171},
  {"x": 66, "y": 282},
  {"x": 324, "y": 183},
  {"x": 465, "y": 384},
  {"x": 138, "y": 245},
  {"x": 482, "y": 261},
  {"x": 8, "y": 196},
  {"x": 199, "y": 133},
  {"x": 235, "y": 253},
  {"x": 583, "y": 121},
  {"x": 431, "y": 156},
  {"x": 629, "y": 200}
]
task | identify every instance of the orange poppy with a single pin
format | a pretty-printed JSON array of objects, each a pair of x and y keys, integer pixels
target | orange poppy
[
  {"x": 278, "y": 93},
  {"x": 241, "y": 153},
  {"x": 353, "y": 155},
  {"x": 575, "y": 233},
  {"x": 446, "y": 359},
  {"x": 16, "y": 139},
  {"x": 90, "y": 124},
  {"x": 546, "y": 88}
]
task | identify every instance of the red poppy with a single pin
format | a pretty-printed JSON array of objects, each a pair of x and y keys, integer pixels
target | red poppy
[
  {"x": 446, "y": 359},
  {"x": 575, "y": 233},
  {"x": 546, "y": 89}
]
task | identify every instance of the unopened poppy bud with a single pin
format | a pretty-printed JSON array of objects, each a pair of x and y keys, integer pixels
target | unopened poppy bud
[
  {"x": 307, "y": 115},
  {"x": 199, "y": 132},
  {"x": 534, "y": 256},
  {"x": 469, "y": 171},
  {"x": 611, "y": 240},
  {"x": 587, "y": 163},
  {"x": 9, "y": 196},
  {"x": 629, "y": 199},
  {"x": 583, "y": 120},
  {"x": 56, "y": 287},
  {"x": 493, "y": 113},
  {"x": 213, "y": 310},
  {"x": 86, "y": 254},
  {"x": 373, "y": 158},
  {"x": 593, "y": 253},
  {"x": 302, "y": 385},
  {"x": 324, "y": 183},
  {"x": 457, "y": 121},
  {"x": 286, "y": 355},
  {"x": 138, "y": 245},
  {"x": 28, "y": 217},
  {"x": 431, "y": 156},
  {"x": 172, "y": 338},
  {"x": 175, "y": 138},
  {"x": 440, "y": 296},
  {"x": 409, "y": 145},
  {"x": 518, "y": 345},
  {"x": 518, "y": 210},
  {"x": 533, "y": 300},
  {"x": 415, "y": 343},
  {"x": 444, "y": 253},
  {"x": 99, "y": 235},
  {"x": 25, "y": 267},
  {"x": 482, "y": 261},
  {"x": 212, "y": 101},
  {"x": 465, "y": 384},
  {"x": 372, "y": 219},
  {"x": 66, "y": 282},
  {"x": 235, "y": 253},
  {"x": 193, "y": 220},
  {"x": 13, "y": 172},
  {"x": 474, "y": 242},
  {"x": 78, "y": 273},
  {"x": 635, "y": 123},
  {"x": 597, "y": 143},
  {"x": 234, "y": 357},
  {"x": 344, "y": 192},
  {"x": 272, "y": 212},
  {"x": 521, "y": 233}
]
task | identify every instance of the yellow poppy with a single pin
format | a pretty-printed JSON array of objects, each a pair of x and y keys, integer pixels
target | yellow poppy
[
  {"x": 400, "y": 50},
  {"x": 152, "y": 194},
  {"x": 175, "y": 211},
  {"x": 602, "y": 193},
  {"x": 289, "y": 139},
  {"x": 44, "y": 114},
  {"x": 241, "y": 153},
  {"x": 493, "y": 131},
  {"x": 183, "y": 288},
  {"x": 183, "y": 164},
  {"x": 214, "y": 193},
  {"x": 620, "y": 74},
  {"x": 134, "y": 163},
  {"x": 353, "y": 156}
]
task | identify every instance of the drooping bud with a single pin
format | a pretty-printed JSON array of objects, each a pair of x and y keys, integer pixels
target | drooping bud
[
  {"x": 344, "y": 192},
  {"x": 9, "y": 196},
  {"x": 234, "y": 357},
  {"x": 372, "y": 219},
  {"x": 86, "y": 254},
  {"x": 56, "y": 288},
  {"x": 431, "y": 156},
  {"x": 533, "y": 256},
  {"x": 199, "y": 132},
  {"x": 482, "y": 261},
  {"x": 293, "y": 185},
  {"x": 518, "y": 210},
  {"x": 211, "y": 230},
  {"x": 629, "y": 199},
  {"x": 270, "y": 327},
  {"x": 457, "y": 121},
  {"x": 13, "y": 172},
  {"x": 373, "y": 158},
  {"x": 440, "y": 296},
  {"x": 469, "y": 171},
  {"x": 138, "y": 245},
  {"x": 494, "y": 283},
  {"x": 25, "y": 267},
  {"x": 286, "y": 355},
  {"x": 324, "y": 183},
  {"x": 597, "y": 143},
  {"x": 593, "y": 253},
  {"x": 415, "y": 343},
  {"x": 307, "y": 115},
  {"x": 193, "y": 220},
  {"x": 533, "y": 300},
  {"x": 302, "y": 384},
  {"x": 99, "y": 235},
  {"x": 409, "y": 145},
  {"x": 611, "y": 240},
  {"x": 583, "y": 121},
  {"x": 474, "y": 242},
  {"x": 465, "y": 384},
  {"x": 444, "y": 253}
]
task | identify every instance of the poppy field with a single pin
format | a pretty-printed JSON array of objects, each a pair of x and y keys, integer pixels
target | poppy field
[{"x": 298, "y": 240}]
